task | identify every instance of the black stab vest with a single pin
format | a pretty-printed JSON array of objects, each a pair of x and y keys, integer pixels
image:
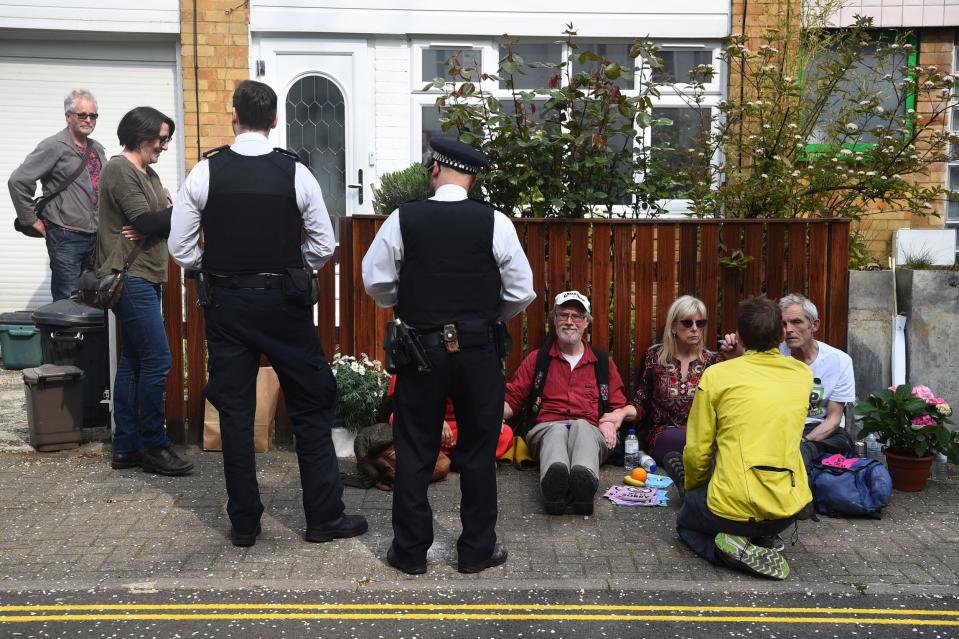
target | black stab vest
[
  {"x": 251, "y": 223},
  {"x": 449, "y": 273}
]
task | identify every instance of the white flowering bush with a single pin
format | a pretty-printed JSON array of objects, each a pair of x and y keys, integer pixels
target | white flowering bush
[
  {"x": 827, "y": 123},
  {"x": 360, "y": 386}
]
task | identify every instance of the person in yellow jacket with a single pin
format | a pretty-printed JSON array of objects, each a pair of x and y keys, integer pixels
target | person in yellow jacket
[{"x": 745, "y": 477}]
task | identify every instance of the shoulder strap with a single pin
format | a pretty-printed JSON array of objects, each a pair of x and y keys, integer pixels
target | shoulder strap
[
  {"x": 70, "y": 180},
  {"x": 288, "y": 153},
  {"x": 535, "y": 399},
  {"x": 209, "y": 154},
  {"x": 602, "y": 379},
  {"x": 127, "y": 263}
]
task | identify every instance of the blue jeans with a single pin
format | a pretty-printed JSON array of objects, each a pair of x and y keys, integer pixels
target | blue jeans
[
  {"x": 144, "y": 363},
  {"x": 68, "y": 251}
]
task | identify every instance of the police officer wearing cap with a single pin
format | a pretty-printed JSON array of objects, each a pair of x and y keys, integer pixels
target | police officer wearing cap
[
  {"x": 252, "y": 202},
  {"x": 450, "y": 267}
]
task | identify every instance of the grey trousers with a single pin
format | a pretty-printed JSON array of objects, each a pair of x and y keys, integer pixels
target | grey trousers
[{"x": 572, "y": 443}]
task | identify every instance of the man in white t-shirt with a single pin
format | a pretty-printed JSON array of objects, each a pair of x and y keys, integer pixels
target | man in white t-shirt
[{"x": 833, "y": 381}]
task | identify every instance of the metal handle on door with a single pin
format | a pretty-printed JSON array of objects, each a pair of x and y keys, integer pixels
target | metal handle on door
[{"x": 359, "y": 186}]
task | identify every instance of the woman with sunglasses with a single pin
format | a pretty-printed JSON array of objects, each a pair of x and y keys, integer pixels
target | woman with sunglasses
[
  {"x": 135, "y": 211},
  {"x": 668, "y": 381}
]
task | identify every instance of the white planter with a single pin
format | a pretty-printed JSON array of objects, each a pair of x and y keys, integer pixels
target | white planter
[{"x": 343, "y": 442}]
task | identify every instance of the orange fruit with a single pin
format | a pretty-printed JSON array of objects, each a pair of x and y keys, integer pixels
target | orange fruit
[{"x": 639, "y": 473}]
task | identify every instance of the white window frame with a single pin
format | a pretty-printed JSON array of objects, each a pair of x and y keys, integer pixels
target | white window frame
[
  {"x": 954, "y": 156},
  {"x": 714, "y": 91}
]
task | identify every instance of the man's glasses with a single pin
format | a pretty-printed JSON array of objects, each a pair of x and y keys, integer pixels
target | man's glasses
[
  {"x": 163, "y": 139},
  {"x": 688, "y": 323},
  {"x": 569, "y": 315},
  {"x": 85, "y": 115}
]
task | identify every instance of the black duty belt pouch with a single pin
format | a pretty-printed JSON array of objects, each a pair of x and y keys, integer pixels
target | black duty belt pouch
[
  {"x": 300, "y": 287},
  {"x": 396, "y": 355},
  {"x": 502, "y": 340}
]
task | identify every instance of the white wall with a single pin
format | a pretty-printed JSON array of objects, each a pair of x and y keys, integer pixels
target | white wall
[
  {"x": 614, "y": 18},
  {"x": 392, "y": 111},
  {"x": 156, "y": 16}
]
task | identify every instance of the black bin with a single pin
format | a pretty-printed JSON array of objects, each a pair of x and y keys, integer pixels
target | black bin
[{"x": 74, "y": 334}]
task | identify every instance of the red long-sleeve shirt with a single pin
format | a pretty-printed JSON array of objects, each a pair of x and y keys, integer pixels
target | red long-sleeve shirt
[{"x": 569, "y": 393}]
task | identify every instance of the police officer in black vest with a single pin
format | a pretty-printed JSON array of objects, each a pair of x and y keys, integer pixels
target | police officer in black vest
[
  {"x": 252, "y": 202},
  {"x": 450, "y": 267}
]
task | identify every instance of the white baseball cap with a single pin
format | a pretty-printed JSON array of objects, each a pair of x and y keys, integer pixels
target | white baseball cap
[{"x": 572, "y": 296}]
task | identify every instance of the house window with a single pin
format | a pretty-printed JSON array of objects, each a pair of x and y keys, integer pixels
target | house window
[
  {"x": 678, "y": 60},
  {"x": 677, "y": 64},
  {"x": 952, "y": 170},
  {"x": 433, "y": 61},
  {"x": 683, "y": 135},
  {"x": 871, "y": 75}
]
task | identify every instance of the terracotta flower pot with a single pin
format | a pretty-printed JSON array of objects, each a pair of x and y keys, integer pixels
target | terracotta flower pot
[{"x": 908, "y": 472}]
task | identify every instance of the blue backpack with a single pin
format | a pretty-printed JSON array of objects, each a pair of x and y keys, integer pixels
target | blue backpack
[{"x": 861, "y": 491}]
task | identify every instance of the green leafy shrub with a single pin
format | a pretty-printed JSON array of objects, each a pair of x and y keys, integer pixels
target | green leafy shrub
[{"x": 412, "y": 183}]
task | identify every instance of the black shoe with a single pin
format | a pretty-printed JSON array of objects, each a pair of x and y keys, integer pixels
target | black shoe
[
  {"x": 163, "y": 461},
  {"x": 673, "y": 462},
  {"x": 555, "y": 487},
  {"x": 409, "y": 569},
  {"x": 126, "y": 460},
  {"x": 774, "y": 542},
  {"x": 344, "y": 527},
  {"x": 582, "y": 489},
  {"x": 244, "y": 540},
  {"x": 498, "y": 557}
]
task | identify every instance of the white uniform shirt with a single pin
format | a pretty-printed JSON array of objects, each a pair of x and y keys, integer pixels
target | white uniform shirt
[
  {"x": 191, "y": 200},
  {"x": 382, "y": 262}
]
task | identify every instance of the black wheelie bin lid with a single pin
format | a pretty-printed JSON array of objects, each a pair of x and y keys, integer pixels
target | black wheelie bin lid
[
  {"x": 17, "y": 318},
  {"x": 68, "y": 313}
]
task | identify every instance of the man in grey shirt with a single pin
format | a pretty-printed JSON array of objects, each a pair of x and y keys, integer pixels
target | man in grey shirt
[{"x": 69, "y": 221}]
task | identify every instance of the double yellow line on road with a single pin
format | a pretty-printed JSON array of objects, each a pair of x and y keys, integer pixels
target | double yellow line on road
[{"x": 473, "y": 612}]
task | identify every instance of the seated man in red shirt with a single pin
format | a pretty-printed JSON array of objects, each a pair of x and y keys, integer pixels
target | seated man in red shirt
[{"x": 575, "y": 412}]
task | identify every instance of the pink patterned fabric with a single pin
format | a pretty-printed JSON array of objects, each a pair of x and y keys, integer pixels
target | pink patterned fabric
[{"x": 839, "y": 461}]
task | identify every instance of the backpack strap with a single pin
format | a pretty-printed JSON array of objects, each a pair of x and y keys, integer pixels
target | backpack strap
[
  {"x": 602, "y": 379},
  {"x": 535, "y": 399}
]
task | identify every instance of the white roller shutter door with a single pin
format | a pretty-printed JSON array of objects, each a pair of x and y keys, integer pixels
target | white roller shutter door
[{"x": 36, "y": 76}]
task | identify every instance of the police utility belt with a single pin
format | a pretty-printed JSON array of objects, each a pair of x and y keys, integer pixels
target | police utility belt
[
  {"x": 299, "y": 286},
  {"x": 406, "y": 345}
]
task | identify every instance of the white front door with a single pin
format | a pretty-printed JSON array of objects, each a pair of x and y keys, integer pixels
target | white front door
[{"x": 325, "y": 94}]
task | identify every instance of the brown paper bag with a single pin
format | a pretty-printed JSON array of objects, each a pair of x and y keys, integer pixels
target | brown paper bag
[{"x": 264, "y": 421}]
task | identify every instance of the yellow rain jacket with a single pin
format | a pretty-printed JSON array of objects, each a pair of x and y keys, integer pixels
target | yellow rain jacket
[{"x": 750, "y": 411}]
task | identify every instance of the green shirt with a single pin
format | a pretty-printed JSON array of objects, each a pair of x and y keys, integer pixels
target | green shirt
[{"x": 125, "y": 193}]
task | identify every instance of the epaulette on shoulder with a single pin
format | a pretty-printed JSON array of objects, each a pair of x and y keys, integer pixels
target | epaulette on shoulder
[
  {"x": 212, "y": 152},
  {"x": 288, "y": 153}
]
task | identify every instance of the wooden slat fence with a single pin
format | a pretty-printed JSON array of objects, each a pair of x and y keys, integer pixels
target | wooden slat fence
[{"x": 631, "y": 270}]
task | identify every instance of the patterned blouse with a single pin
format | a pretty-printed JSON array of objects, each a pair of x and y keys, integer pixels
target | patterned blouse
[{"x": 663, "y": 397}]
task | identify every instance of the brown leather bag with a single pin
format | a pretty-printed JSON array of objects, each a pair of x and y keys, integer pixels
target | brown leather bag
[{"x": 385, "y": 464}]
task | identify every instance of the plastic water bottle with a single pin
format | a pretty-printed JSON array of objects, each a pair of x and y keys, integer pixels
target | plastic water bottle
[
  {"x": 940, "y": 468},
  {"x": 631, "y": 448},
  {"x": 872, "y": 446},
  {"x": 646, "y": 461}
]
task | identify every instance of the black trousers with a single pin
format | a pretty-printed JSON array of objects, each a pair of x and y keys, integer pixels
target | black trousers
[
  {"x": 697, "y": 525},
  {"x": 473, "y": 379},
  {"x": 838, "y": 442},
  {"x": 242, "y": 325}
]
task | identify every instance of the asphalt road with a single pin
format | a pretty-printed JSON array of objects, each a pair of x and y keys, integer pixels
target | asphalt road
[{"x": 407, "y": 614}]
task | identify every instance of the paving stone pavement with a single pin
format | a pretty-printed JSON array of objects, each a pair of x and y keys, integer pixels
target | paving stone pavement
[{"x": 67, "y": 520}]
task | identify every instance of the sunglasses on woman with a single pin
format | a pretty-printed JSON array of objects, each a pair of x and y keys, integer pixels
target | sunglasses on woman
[{"x": 688, "y": 323}]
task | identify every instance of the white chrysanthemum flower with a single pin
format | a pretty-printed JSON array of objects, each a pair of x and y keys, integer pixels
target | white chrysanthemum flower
[{"x": 852, "y": 127}]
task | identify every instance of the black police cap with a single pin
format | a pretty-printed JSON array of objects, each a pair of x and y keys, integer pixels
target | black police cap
[{"x": 458, "y": 155}]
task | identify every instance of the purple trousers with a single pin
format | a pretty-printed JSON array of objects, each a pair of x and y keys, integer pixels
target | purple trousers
[{"x": 669, "y": 440}]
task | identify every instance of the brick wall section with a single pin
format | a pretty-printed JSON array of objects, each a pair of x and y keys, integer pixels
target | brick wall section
[
  {"x": 223, "y": 56},
  {"x": 935, "y": 48}
]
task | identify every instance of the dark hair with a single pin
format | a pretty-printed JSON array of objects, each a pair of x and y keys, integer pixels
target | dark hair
[
  {"x": 141, "y": 124},
  {"x": 760, "y": 323},
  {"x": 255, "y": 105}
]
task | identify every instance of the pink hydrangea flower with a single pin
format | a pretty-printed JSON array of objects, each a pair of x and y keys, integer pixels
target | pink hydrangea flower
[
  {"x": 922, "y": 420},
  {"x": 923, "y": 392}
]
